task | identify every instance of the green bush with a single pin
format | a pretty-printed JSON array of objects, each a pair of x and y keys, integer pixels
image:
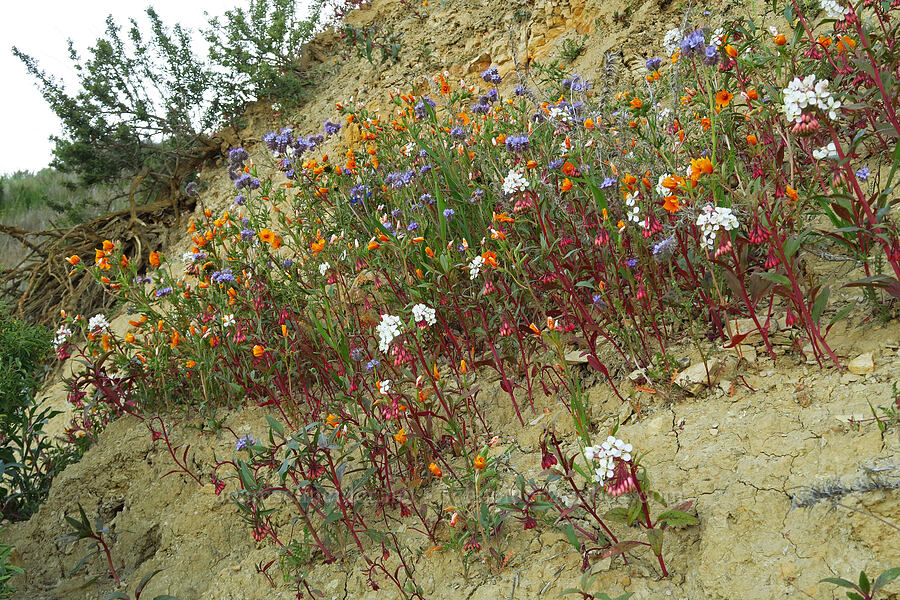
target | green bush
[
  {"x": 7, "y": 572},
  {"x": 29, "y": 459},
  {"x": 258, "y": 49}
]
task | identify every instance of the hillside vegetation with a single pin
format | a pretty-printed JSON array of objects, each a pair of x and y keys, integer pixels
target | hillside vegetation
[{"x": 552, "y": 298}]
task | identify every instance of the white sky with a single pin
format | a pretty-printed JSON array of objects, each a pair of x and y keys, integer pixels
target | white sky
[{"x": 40, "y": 28}]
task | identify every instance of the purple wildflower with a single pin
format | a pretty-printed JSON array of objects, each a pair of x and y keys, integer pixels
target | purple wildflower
[
  {"x": 653, "y": 64},
  {"x": 517, "y": 143},
  {"x": 223, "y": 276},
  {"x": 244, "y": 443},
  {"x": 331, "y": 128}
]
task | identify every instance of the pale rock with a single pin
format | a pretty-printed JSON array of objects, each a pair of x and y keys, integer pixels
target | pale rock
[
  {"x": 862, "y": 364},
  {"x": 747, "y": 326},
  {"x": 694, "y": 378},
  {"x": 578, "y": 357}
]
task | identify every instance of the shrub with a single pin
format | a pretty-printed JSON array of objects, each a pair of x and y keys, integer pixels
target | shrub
[
  {"x": 28, "y": 458},
  {"x": 7, "y": 572},
  {"x": 141, "y": 105},
  {"x": 259, "y": 52}
]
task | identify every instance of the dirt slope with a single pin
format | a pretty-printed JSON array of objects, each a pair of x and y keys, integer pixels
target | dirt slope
[{"x": 744, "y": 451}]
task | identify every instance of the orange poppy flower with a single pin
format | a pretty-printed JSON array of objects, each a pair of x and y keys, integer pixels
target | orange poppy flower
[
  {"x": 318, "y": 246},
  {"x": 566, "y": 185},
  {"x": 780, "y": 40},
  {"x": 636, "y": 103},
  {"x": 700, "y": 166},
  {"x": 723, "y": 98},
  {"x": 73, "y": 260},
  {"x": 258, "y": 351},
  {"x": 400, "y": 436},
  {"x": 751, "y": 139},
  {"x": 479, "y": 463},
  {"x": 731, "y": 51},
  {"x": 671, "y": 204},
  {"x": 435, "y": 470},
  {"x": 154, "y": 259},
  {"x": 568, "y": 168},
  {"x": 791, "y": 193}
]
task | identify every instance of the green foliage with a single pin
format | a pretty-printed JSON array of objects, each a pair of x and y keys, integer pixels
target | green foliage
[
  {"x": 23, "y": 347},
  {"x": 584, "y": 586},
  {"x": 7, "y": 572},
  {"x": 259, "y": 49},
  {"x": 28, "y": 458},
  {"x": 572, "y": 48},
  {"x": 865, "y": 589},
  {"x": 39, "y": 200},
  {"x": 371, "y": 38},
  {"x": 140, "y": 105}
]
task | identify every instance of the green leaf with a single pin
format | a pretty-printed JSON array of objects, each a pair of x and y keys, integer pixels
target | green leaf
[
  {"x": 864, "y": 584},
  {"x": 885, "y": 578},
  {"x": 275, "y": 425},
  {"x": 617, "y": 514},
  {"x": 820, "y": 303},
  {"x": 634, "y": 511},
  {"x": 81, "y": 562},
  {"x": 573, "y": 537},
  {"x": 841, "y": 582},
  {"x": 656, "y": 540},
  {"x": 146, "y": 579},
  {"x": 792, "y": 244},
  {"x": 840, "y": 315},
  {"x": 678, "y": 517},
  {"x": 776, "y": 278}
]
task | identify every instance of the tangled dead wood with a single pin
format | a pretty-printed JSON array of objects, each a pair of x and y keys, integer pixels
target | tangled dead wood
[{"x": 43, "y": 283}]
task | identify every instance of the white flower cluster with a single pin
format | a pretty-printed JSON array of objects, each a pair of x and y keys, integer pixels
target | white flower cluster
[
  {"x": 828, "y": 151},
  {"x": 425, "y": 313},
  {"x": 227, "y": 321},
  {"x": 604, "y": 455},
  {"x": 662, "y": 190},
  {"x": 323, "y": 268},
  {"x": 560, "y": 114},
  {"x": 805, "y": 92},
  {"x": 712, "y": 219},
  {"x": 717, "y": 38},
  {"x": 98, "y": 322},
  {"x": 833, "y": 9},
  {"x": 475, "y": 267},
  {"x": 514, "y": 182},
  {"x": 634, "y": 211},
  {"x": 62, "y": 334},
  {"x": 387, "y": 330},
  {"x": 671, "y": 40}
]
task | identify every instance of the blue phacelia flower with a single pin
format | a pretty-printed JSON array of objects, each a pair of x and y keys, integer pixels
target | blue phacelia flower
[
  {"x": 331, "y": 128},
  {"x": 244, "y": 442}
]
